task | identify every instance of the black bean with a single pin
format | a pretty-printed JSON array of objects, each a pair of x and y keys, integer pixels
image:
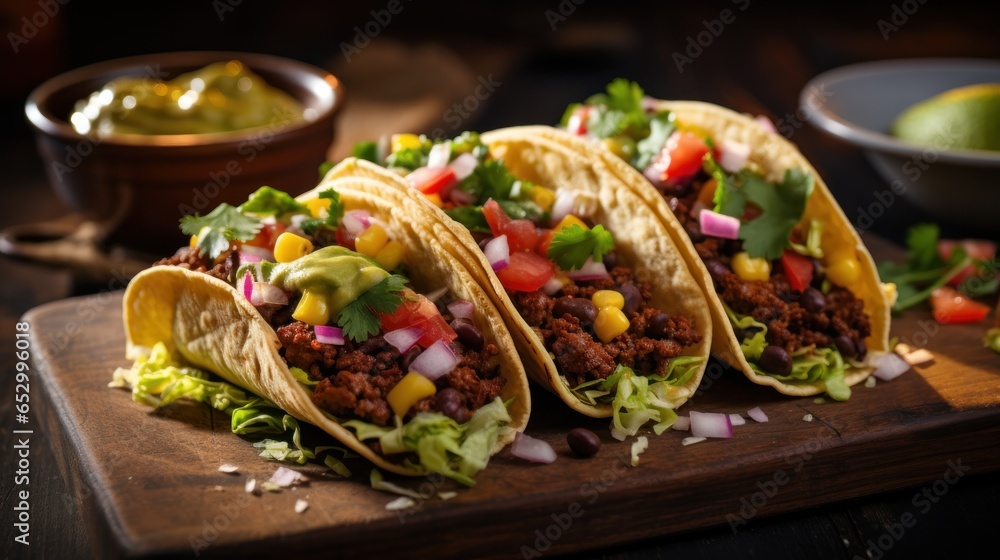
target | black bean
[
  {"x": 694, "y": 231},
  {"x": 659, "y": 326},
  {"x": 581, "y": 308},
  {"x": 583, "y": 442},
  {"x": 373, "y": 345},
  {"x": 774, "y": 359},
  {"x": 409, "y": 356},
  {"x": 449, "y": 402},
  {"x": 610, "y": 260},
  {"x": 819, "y": 274},
  {"x": 633, "y": 298},
  {"x": 812, "y": 300},
  {"x": 862, "y": 348},
  {"x": 846, "y": 346},
  {"x": 716, "y": 269},
  {"x": 468, "y": 333}
]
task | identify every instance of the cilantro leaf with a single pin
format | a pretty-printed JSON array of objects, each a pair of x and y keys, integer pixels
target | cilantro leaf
[
  {"x": 220, "y": 226},
  {"x": 359, "y": 319},
  {"x": 471, "y": 217},
  {"x": 491, "y": 179},
  {"x": 572, "y": 246},
  {"x": 921, "y": 245},
  {"x": 409, "y": 158},
  {"x": 608, "y": 122},
  {"x": 334, "y": 213},
  {"x": 729, "y": 199},
  {"x": 660, "y": 128},
  {"x": 781, "y": 205},
  {"x": 325, "y": 168},
  {"x": 366, "y": 150},
  {"x": 267, "y": 201}
]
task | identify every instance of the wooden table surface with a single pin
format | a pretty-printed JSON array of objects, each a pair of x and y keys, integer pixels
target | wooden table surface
[{"x": 757, "y": 64}]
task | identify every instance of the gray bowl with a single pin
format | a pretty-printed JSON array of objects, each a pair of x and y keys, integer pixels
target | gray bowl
[{"x": 858, "y": 104}]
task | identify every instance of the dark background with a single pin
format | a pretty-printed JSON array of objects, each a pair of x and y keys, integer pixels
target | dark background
[{"x": 758, "y": 64}]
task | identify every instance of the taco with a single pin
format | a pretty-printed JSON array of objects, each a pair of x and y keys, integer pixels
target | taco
[
  {"x": 601, "y": 304},
  {"x": 390, "y": 345},
  {"x": 794, "y": 293}
]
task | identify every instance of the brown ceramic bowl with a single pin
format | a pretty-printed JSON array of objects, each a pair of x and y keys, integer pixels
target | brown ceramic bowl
[{"x": 133, "y": 189}]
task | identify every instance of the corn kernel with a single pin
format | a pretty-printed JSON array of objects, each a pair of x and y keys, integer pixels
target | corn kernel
[
  {"x": 401, "y": 142},
  {"x": 312, "y": 309},
  {"x": 891, "y": 293},
  {"x": 751, "y": 269},
  {"x": 317, "y": 205},
  {"x": 435, "y": 199},
  {"x": 289, "y": 247},
  {"x": 843, "y": 270},
  {"x": 390, "y": 256},
  {"x": 193, "y": 242},
  {"x": 410, "y": 389},
  {"x": 610, "y": 323},
  {"x": 608, "y": 298},
  {"x": 543, "y": 197},
  {"x": 371, "y": 241},
  {"x": 569, "y": 220}
]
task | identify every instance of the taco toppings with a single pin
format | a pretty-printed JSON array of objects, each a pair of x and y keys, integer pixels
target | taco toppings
[
  {"x": 787, "y": 288},
  {"x": 559, "y": 268},
  {"x": 392, "y": 364}
]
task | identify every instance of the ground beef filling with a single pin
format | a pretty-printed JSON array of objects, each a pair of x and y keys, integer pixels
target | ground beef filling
[
  {"x": 354, "y": 379},
  {"x": 789, "y": 325},
  {"x": 221, "y": 267},
  {"x": 653, "y": 337}
]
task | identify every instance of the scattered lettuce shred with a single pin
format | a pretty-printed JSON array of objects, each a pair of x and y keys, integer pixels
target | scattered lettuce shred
[
  {"x": 457, "y": 451},
  {"x": 809, "y": 364}
]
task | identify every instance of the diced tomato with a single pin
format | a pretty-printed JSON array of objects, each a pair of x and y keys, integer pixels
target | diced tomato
[
  {"x": 267, "y": 236},
  {"x": 979, "y": 249},
  {"x": 423, "y": 314},
  {"x": 544, "y": 240},
  {"x": 522, "y": 235},
  {"x": 578, "y": 120},
  {"x": 344, "y": 238},
  {"x": 431, "y": 180},
  {"x": 680, "y": 158},
  {"x": 798, "y": 269},
  {"x": 495, "y": 217},
  {"x": 526, "y": 272},
  {"x": 952, "y": 307}
]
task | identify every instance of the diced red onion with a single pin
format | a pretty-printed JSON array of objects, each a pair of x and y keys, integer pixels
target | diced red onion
[
  {"x": 692, "y": 440},
  {"x": 436, "y": 294},
  {"x": 650, "y": 104},
  {"x": 439, "y": 155},
  {"x": 498, "y": 253},
  {"x": 711, "y": 424},
  {"x": 356, "y": 221},
  {"x": 737, "y": 420},
  {"x": 683, "y": 423},
  {"x": 531, "y": 449},
  {"x": 462, "y": 309},
  {"x": 286, "y": 477},
  {"x": 464, "y": 165},
  {"x": 889, "y": 366},
  {"x": 268, "y": 293},
  {"x": 766, "y": 123},
  {"x": 563, "y": 206},
  {"x": 461, "y": 198},
  {"x": 248, "y": 258},
  {"x": 259, "y": 252},
  {"x": 714, "y": 224},
  {"x": 404, "y": 339},
  {"x": 589, "y": 271},
  {"x": 437, "y": 360},
  {"x": 654, "y": 172},
  {"x": 248, "y": 286},
  {"x": 733, "y": 155},
  {"x": 552, "y": 286},
  {"x": 326, "y": 334},
  {"x": 757, "y": 414}
]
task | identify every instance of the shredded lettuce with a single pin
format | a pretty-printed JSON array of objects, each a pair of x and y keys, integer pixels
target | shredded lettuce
[
  {"x": 809, "y": 364},
  {"x": 457, "y": 451},
  {"x": 636, "y": 402},
  {"x": 814, "y": 237}
]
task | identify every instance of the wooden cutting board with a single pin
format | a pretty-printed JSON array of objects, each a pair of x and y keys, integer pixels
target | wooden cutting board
[{"x": 147, "y": 482}]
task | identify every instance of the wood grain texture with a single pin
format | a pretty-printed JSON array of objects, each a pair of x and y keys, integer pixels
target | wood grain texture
[{"x": 145, "y": 481}]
